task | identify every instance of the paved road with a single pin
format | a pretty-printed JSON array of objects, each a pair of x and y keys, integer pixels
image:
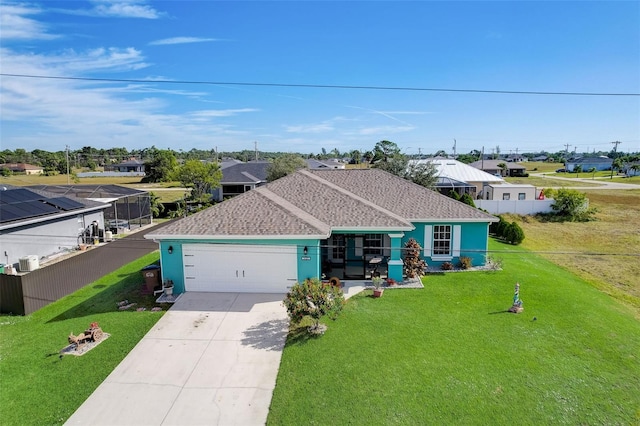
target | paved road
[{"x": 599, "y": 183}]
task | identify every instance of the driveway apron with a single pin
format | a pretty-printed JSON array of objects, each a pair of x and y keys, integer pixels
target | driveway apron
[{"x": 212, "y": 359}]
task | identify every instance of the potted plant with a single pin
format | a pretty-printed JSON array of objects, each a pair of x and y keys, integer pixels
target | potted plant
[
  {"x": 168, "y": 287},
  {"x": 377, "y": 286}
]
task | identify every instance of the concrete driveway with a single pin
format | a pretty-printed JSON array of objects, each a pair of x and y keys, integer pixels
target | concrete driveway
[{"x": 212, "y": 359}]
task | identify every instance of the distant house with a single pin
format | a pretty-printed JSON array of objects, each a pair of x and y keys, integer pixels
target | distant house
[
  {"x": 587, "y": 163},
  {"x": 28, "y": 169},
  {"x": 515, "y": 158},
  {"x": 511, "y": 198},
  {"x": 128, "y": 208},
  {"x": 132, "y": 165},
  {"x": 631, "y": 169},
  {"x": 540, "y": 158},
  {"x": 36, "y": 224},
  {"x": 331, "y": 163},
  {"x": 458, "y": 176},
  {"x": 492, "y": 167},
  {"x": 239, "y": 177}
]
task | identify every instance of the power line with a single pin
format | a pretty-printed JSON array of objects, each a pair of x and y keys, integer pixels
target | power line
[{"x": 318, "y": 86}]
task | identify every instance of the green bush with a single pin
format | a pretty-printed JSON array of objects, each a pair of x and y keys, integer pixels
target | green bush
[
  {"x": 513, "y": 233},
  {"x": 314, "y": 299},
  {"x": 466, "y": 198}
]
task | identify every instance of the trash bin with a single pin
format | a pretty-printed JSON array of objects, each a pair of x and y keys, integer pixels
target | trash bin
[{"x": 151, "y": 275}]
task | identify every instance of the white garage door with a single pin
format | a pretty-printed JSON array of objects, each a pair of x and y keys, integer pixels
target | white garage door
[{"x": 239, "y": 268}]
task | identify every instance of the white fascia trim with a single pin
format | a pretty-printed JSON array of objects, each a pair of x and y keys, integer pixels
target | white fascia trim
[
  {"x": 52, "y": 216},
  {"x": 235, "y": 237},
  {"x": 371, "y": 229},
  {"x": 448, "y": 220},
  {"x": 398, "y": 235}
]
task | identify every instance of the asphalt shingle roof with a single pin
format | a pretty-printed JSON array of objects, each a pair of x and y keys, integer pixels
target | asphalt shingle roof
[{"x": 312, "y": 203}]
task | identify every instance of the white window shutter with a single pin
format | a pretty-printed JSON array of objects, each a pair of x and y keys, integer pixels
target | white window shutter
[
  {"x": 428, "y": 238},
  {"x": 359, "y": 241},
  {"x": 457, "y": 234}
]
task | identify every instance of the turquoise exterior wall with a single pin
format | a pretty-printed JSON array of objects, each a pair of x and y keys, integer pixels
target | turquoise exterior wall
[
  {"x": 172, "y": 268},
  {"x": 474, "y": 240}
]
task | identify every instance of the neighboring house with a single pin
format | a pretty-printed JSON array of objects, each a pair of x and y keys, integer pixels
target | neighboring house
[
  {"x": 239, "y": 177},
  {"x": 331, "y": 163},
  {"x": 132, "y": 165},
  {"x": 540, "y": 158},
  {"x": 315, "y": 222},
  {"x": 517, "y": 199},
  {"x": 631, "y": 169},
  {"x": 458, "y": 176},
  {"x": 491, "y": 167},
  {"x": 515, "y": 158},
  {"x": 586, "y": 163},
  {"x": 36, "y": 224},
  {"x": 28, "y": 169},
  {"x": 127, "y": 207}
]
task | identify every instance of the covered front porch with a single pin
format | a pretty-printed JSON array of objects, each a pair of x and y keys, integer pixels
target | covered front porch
[{"x": 350, "y": 256}]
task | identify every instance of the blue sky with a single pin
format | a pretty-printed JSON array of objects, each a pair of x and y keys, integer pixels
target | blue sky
[{"x": 543, "y": 46}]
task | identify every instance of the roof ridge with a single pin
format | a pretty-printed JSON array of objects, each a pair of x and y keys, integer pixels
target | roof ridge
[
  {"x": 354, "y": 196},
  {"x": 297, "y": 211},
  {"x": 250, "y": 176}
]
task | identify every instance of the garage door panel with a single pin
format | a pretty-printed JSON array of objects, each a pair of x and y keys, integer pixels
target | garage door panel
[{"x": 239, "y": 268}]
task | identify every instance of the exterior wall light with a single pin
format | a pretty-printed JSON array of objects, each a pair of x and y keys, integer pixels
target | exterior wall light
[
  {"x": 305, "y": 250},
  {"x": 170, "y": 249}
]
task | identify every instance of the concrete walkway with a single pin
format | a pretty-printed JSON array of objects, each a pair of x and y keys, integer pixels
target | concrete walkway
[{"x": 212, "y": 359}]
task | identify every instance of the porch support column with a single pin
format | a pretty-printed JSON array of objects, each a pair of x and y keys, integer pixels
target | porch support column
[{"x": 395, "y": 262}]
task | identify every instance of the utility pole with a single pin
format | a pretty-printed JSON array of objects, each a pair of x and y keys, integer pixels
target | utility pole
[
  {"x": 615, "y": 146},
  {"x": 615, "y": 150},
  {"x": 566, "y": 148},
  {"x": 67, "y": 155},
  {"x": 454, "y": 148},
  {"x": 255, "y": 147}
]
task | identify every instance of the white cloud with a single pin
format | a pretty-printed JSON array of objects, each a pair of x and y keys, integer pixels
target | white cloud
[
  {"x": 17, "y": 26},
  {"x": 125, "y": 9},
  {"x": 181, "y": 40}
]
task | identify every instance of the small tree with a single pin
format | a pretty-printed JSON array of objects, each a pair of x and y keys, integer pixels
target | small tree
[
  {"x": 572, "y": 205},
  {"x": 313, "y": 299},
  {"x": 284, "y": 165},
  {"x": 201, "y": 177},
  {"x": 513, "y": 233},
  {"x": 503, "y": 168},
  {"x": 466, "y": 198},
  {"x": 414, "y": 264}
]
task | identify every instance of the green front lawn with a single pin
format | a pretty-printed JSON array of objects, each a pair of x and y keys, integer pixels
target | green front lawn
[
  {"x": 37, "y": 386},
  {"x": 450, "y": 354}
]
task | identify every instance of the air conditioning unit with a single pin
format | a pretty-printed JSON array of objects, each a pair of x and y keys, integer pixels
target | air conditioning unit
[{"x": 29, "y": 263}]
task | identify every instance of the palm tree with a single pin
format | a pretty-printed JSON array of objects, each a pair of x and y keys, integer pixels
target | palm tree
[{"x": 503, "y": 168}]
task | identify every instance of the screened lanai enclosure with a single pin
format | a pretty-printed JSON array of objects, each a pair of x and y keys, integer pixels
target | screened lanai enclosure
[
  {"x": 130, "y": 208},
  {"x": 355, "y": 256}
]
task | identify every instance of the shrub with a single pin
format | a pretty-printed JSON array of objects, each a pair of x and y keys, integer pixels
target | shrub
[
  {"x": 446, "y": 266},
  {"x": 513, "y": 233},
  {"x": 466, "y": 198},
  {"x": 414, "y": 265},
  {"x": 572, "y": 205},
  {"x": 314, "y": 299},
  {"x": 465, "y": 262}
]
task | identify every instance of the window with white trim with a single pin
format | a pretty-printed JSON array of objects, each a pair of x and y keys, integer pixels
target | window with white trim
[
  {"x": 373, "y": 244},
  {"x": 522, "y": 196},
  {"x": 337, "y": 249},
  {"x": 506, "y": 196},
  {"x": 442, "y": 240}
]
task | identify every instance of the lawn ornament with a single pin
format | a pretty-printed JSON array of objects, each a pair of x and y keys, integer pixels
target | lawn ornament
[
  {"x": 92, "y": 334},
  {"x": 516, "y": 308}
]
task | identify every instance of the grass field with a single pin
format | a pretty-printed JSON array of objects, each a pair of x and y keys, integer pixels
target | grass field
[
  {"x": 605, "y": 252},
  {"x": 39, "y": 387},
  {"x": 166, "y": 191},
  {"x": 450, "y": 354}
]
